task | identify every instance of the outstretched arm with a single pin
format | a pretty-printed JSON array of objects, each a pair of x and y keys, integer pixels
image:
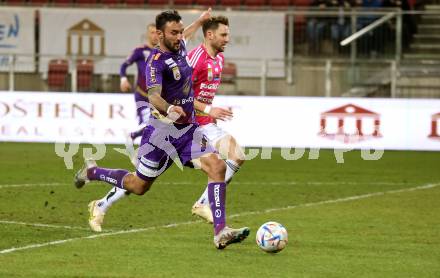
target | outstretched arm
[
  {"x": 191, "y": 29},
  {"x": 217, "y": 113}
]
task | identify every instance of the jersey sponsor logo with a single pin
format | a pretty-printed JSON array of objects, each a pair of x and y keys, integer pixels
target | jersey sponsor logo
[
  {"x": 183, "y": 101},
  {"x": 206, "y": 94},
  {"x": 169, "y": 61},
  {"x": 153, "y": 75},
  {"x": 207, "y": 100},
  {"x": 209, "y": 86}
]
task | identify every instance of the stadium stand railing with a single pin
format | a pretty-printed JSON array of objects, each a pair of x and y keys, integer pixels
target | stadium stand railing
[{"x": 379, "y": 63}]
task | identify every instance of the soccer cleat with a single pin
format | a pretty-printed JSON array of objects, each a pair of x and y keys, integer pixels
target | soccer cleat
[
  {"x": 81, "y": 176},
  {"x": 203, "y": 211},
  {"x": 229, "y": 235},
  {"x": 96, "y": 217}
]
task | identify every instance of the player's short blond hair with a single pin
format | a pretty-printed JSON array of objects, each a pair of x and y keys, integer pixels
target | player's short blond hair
[{"x": 151, "y": 25}]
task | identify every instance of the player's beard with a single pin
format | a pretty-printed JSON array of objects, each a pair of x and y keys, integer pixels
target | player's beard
[
  {"x": 220, "y": 48},
  {"x": 172, "y": 47}
]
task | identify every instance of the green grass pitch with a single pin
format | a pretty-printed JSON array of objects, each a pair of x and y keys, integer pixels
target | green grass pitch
[{"x": 355, "y": 219}]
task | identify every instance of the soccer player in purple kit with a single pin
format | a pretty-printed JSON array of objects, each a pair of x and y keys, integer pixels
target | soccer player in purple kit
[
  {"x": 139, "y": 55},
  {"x": 171, "y": 133},
  {"x": 98, "y": 208}
]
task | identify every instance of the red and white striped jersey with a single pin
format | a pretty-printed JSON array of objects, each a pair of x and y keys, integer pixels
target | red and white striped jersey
[{"x": 206, "y": 78}]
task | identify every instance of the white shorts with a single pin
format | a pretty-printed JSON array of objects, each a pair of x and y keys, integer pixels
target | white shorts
[{"x": 213, "y": 133}]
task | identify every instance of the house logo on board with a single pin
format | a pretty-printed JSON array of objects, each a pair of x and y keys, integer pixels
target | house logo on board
[
  {"x": 435, "y": 133},
  {"x": 350, "y": 124},
  {"x": 85, "y": 38}
]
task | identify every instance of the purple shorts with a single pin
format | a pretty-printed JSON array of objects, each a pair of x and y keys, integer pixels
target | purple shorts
[{"x": 162, "y": 144}]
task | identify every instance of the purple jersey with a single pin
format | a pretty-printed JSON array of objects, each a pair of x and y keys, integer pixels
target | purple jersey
[
  {"x": 138, "y": 56},
  {"x": 172, "y": 73}
]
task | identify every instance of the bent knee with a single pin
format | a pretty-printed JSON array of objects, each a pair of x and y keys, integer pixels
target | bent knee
[
  {"x": 140, "y": 190},
  {"x": 136, "y": 185}
]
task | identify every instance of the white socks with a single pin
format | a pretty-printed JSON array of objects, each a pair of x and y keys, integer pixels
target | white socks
[
  {"x": 114, "y": 195},
  {"x": 231, "y": 168}
]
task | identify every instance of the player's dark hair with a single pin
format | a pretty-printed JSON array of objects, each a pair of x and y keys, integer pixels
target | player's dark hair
[
  {"x": 214, "y": 22},
  {"x": 167, "y": 16}
]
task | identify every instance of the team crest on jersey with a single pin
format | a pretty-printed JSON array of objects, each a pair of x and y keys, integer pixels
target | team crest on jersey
[
  {"x": 176, "y": 73},
  {"x": 210, "y": 76},
  {"x": 156, "y": 57}
]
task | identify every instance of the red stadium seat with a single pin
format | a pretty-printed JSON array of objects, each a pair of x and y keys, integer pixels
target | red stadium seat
[
  {"x": 110, "y": 2},
  {"x": 230, "y": 2},
  {"x": 183, "y": 2},
  {"x": 254, "y": 3},
  {"x": 302, "y": 3},
  {"x": 62, "y": 2},
  {"x": 135, "y": 3},
  {"x": 208, "y": 3},
  {"x": 57, "y": 74},
  {"x": 158, "y": 2},
  {"x": 86, "y": 2},
  {"x": 39, "y": 2},
  {"x": 229, "y": 73},
  {"x": 84, "y": 73},
  {"x": 279, "y": 3},
  {"x": 15, "y": 2}
]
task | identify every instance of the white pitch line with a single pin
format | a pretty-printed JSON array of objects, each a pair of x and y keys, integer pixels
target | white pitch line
[
  {"x": 30, "y": 185},
  {"x": 43, "y": 225},
  {"x": 339, "y": 200},
  {"x": 57, "y": 242}
]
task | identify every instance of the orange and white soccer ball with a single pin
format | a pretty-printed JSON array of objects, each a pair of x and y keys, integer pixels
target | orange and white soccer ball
[{"x": 272, "y": 237}]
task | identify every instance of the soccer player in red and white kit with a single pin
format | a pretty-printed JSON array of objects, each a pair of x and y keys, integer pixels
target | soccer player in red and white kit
[{"x": 207, "y": 61}]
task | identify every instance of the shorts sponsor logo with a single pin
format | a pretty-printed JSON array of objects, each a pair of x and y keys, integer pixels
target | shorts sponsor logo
[{"x": 218, "y": 213}]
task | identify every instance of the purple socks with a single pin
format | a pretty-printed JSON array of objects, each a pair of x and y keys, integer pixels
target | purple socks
[
  {"x": 217, "y": 200},
  {"x": 114, "y": 177}
]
